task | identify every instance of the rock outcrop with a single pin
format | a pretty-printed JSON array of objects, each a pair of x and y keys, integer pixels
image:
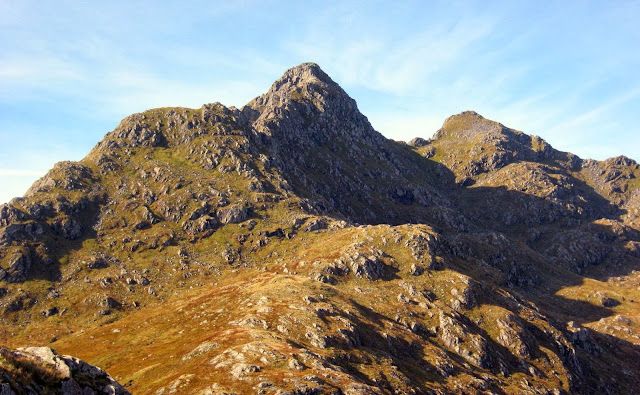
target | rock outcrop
[{"x": 41, "y": 370}]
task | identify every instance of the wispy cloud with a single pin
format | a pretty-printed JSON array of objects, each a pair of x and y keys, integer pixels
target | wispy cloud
[
  {"x": 21, "y": 173},
  {"x": 594, "y": 113},
  {"x": 398, "y": 65}
]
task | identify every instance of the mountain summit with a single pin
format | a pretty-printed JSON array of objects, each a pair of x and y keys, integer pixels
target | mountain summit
[
  {"x": 304, "y": 82},
  {"x": 305, "y": 94},
  {"x": 289, "y": 248}
]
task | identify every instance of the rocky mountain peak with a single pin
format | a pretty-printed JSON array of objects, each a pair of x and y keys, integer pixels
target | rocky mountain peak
[
  {"x": 305, "y": 73},
  {"x": 303, "y": 82},
  {"x": 480, "y": 135},
  {"x": 469, "y": 124},
  {"x": 621, "y": 160},
  {"x": 305, "y": 98},
  {"x": 470, "y": 145}
]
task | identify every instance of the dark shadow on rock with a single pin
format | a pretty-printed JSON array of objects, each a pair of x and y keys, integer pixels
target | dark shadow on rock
[
  {"x": 556, "y": 240},
  {"x": 59, "y": 234}
]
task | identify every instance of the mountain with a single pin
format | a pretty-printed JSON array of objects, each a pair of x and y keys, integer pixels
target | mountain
[{"x": 289, "y": 248}]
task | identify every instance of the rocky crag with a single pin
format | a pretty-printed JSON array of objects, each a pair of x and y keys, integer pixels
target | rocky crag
[
  {"x": 41, "y": 370},
  {"x": 289, "y": 248}
]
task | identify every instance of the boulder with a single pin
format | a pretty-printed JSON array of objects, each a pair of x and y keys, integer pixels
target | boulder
[
  {"x": 234, "y": 214},
  {"x": 42, "y": 370},
  {"x": 418, "y": 142},
  {"x": 19, "y": 265}
]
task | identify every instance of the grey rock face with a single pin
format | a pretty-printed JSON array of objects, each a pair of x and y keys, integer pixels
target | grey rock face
[
  {"x": 19, "y": 264},
  {"x": 137, "y": 133},
  {"x": 58, "y": 374},
  {"x": 368, "y": 264},
  {"x": 370, "y": 267},
  {"x": 460, "y": 339},
  {"x": 234, "y": 214},
  {"x": 9, "y": 214},
  {"x": 307, "y": 113},
  {"x": 418, "y": 142},
  {"x": 64, "y": 175},
  {"x": 513, "y": 336},
  {"x": 582, "y": 337},
  {"x": 201, "y": 226},
  {"x": 316, "y": 224}
]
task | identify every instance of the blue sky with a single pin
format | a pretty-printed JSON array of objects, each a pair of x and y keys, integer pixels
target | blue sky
[{"x": 69, "y": 71}]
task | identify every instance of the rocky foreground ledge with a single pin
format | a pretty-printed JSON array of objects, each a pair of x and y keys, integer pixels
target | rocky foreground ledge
[{"x": 41, "y": 370}]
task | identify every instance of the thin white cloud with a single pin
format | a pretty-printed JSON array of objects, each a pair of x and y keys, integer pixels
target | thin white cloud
[
  {"x": 26, "y": 75},
  {"x": 393, "y": 65},
  {"x": 116, "y": 90},
  {"x": 131, "y": 92},
  {"x": 594, "y": 113},
  {"x": 4, "y": 172}
]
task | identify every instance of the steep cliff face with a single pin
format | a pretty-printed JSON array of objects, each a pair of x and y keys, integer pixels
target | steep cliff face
[
  {"x": 329, "y": 153},
  {"x": 288, "y": 247}
]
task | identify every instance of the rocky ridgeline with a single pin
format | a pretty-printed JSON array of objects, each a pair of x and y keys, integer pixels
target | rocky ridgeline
[{"x": 350, "y": 262}]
